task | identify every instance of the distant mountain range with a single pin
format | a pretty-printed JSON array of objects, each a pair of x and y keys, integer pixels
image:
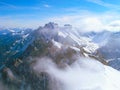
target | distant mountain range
[{"x": 19, "y": 49}]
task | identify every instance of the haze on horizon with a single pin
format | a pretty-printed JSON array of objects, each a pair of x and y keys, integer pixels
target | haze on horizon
[{"x": 88, "y": 15}]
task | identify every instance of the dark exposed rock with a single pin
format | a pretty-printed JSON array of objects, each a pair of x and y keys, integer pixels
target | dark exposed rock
[{"x": 18, "y": 72}]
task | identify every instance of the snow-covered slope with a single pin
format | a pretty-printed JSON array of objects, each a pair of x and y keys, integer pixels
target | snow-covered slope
[
  {"x": 54, "y": 58},
  {"x": 109, "y": 46},
  {"x": 67, "y": 36},
  {"x": 84, "y": 74},
  {"x": 13, "y": 42}
]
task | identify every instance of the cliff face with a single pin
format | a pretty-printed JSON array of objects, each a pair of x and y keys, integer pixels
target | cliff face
[{"x": 44, "y": 53}]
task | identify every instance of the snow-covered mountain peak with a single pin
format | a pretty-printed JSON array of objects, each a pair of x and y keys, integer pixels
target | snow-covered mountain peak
[
  {"x": 66, "y": 35},
  {"x": 58, "y": 58}
]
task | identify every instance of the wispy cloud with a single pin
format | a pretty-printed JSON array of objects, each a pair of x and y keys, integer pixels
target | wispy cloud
[
  {"x": 80, "y": 18},
  {"x": 86, "y": 21},
  {"x": 91, "y": 21},
  {"x": 7, "y": 4},
  {"x": 47, "y": 6},
  {"x": 74, "y": 9},
  {"x": 105, "y": 4},
  {"x": 4, "y": 5}
]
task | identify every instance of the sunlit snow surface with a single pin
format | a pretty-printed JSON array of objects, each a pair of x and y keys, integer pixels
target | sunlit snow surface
[{"x": 84, "y": 74}]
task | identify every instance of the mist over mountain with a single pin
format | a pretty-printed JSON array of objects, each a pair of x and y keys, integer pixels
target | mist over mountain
[
  {"x": 54, "y": 57},
  {"x": 108, "y": 46}
]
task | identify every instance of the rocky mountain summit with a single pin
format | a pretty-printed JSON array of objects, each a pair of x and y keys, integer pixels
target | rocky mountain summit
[{"x": 28, "y": 57}]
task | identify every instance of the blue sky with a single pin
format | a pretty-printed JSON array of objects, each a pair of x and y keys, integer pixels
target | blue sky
[
  {"x": 33, "y": 12},
  {"x": 46, "y": 8}
]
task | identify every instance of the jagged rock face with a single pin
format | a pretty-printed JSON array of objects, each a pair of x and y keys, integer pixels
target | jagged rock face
[
  {"x": 13, "y": 43},
  {"x": 61, "y": 45},
  {"x": 51, "y": 25},
  {"x": 111, "y": 49},
  {"x": 109, "y": 46}
]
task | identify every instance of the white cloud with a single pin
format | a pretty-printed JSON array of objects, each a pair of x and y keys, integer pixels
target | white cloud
[
  {"x": 91, "y": 21},
  {"x": 47, "y": 6},
  {"x": 105, "y": 4},
  {"x": 84, "y": 21}
]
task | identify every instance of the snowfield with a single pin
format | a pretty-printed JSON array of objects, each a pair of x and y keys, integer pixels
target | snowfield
[
  {"x": 84, "y": 74},
  {"x": 59, "y": 58}
]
